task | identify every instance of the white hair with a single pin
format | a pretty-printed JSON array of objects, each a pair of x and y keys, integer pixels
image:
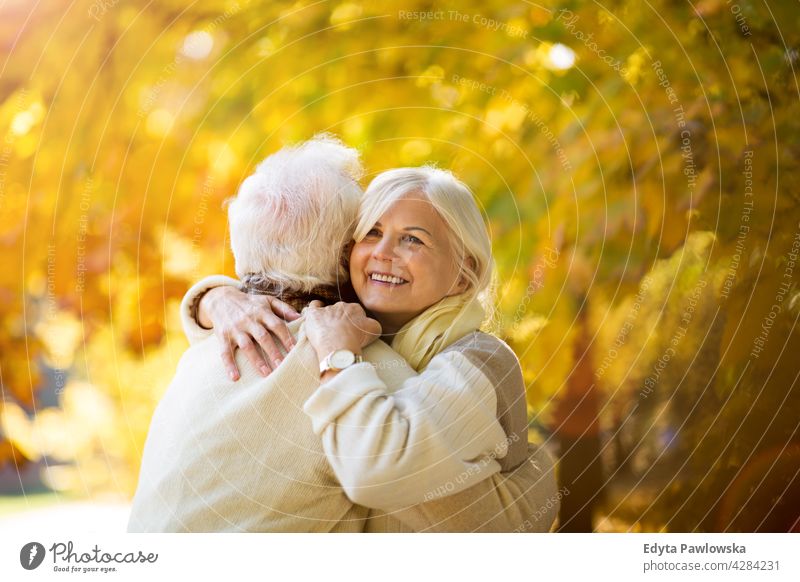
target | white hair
[
  {"x": 455, "y": 203},
  {"x": 292, "y": 218}
]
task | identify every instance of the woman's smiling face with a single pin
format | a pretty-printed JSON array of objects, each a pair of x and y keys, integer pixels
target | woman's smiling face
[{"x": 405, "y": 263}]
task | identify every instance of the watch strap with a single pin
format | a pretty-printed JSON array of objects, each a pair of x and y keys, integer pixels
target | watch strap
[{"x": 326, "y": 363}]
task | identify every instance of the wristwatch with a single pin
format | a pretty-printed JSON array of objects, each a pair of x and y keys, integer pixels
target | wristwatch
[{"x": 338, "y": 360}]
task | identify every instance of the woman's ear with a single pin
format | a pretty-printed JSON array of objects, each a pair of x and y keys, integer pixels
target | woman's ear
[
  {"x": 345, "y": 260},
  {"x": 463, "y": 281}
]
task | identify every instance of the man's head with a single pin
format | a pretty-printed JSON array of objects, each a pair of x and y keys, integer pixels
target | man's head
[{"x": 293, "y": 217}]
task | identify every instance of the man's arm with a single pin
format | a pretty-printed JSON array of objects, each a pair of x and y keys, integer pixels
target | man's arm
[
  {"x": 240, "y": 321},
  {"x": 191, "y": 302}
]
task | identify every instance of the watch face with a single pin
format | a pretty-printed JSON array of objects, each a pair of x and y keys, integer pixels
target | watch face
[{"x": 340, "y": 359}]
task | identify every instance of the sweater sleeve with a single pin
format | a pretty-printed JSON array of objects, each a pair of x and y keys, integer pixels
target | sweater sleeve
[
  {"x": 193, "y": 330},
  {"x": 434, "y": 436}
]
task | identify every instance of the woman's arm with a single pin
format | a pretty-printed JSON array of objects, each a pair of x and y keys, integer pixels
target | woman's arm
[
  {"x": 431, "y": 436},
  {"x": 435, "y": 436},
  {"x": 523, "y": 497},
  {"x": 524, "y": 500}
]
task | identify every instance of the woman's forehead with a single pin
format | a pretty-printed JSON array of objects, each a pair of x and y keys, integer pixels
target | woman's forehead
[{"x": 416, "y": 208}]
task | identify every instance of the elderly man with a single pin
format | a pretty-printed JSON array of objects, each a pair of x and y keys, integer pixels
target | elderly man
[{"x": 242, "y": 456}]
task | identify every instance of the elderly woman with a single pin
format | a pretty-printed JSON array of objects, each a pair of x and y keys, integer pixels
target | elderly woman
[{"x": 420, "y": 264}]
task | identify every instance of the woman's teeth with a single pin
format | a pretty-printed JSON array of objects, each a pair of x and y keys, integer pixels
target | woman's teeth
[{"x": 387, "y": 279}]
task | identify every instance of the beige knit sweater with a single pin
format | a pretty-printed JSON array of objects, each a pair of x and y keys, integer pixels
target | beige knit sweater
[{"x": 285, "y": 454}]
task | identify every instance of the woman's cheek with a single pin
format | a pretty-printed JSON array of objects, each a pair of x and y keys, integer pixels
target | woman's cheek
[
  {"x": 356, "y": 265},
  {"x": 359, "y": 283}
]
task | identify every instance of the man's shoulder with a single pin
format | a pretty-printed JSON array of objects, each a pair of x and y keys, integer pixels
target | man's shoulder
[{"x": 197, "y": 358}]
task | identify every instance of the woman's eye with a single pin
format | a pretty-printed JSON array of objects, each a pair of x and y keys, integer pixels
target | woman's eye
[
  {"x": 411, "y": 239},
  {"x": 373, "y": 232}
]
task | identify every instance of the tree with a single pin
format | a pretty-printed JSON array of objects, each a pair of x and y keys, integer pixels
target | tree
[{"x": 653, "y": 147}]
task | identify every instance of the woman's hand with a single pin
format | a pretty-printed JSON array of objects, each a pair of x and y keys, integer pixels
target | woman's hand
[
  {"x": 342, "y": 326},
  {"x": 245, "y": 321}
]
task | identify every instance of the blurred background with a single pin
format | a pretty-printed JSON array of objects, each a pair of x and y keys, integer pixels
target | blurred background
[{"x": 637, "y": 164}]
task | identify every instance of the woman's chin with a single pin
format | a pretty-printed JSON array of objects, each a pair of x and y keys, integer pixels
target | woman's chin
[
  {"x": 381, "y": 305},
  {"x": 386, "y": 306}
]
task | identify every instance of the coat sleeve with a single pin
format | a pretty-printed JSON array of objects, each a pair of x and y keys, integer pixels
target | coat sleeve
[
  {"x": 191, "y": 327},
  {"x": 434, "y": 436}
]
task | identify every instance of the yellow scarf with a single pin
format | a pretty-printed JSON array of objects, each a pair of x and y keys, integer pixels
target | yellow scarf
[{"x": 442, "y": 324}]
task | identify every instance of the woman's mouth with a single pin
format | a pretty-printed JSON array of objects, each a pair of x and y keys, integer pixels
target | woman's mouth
[{"x": 386, "y": 279}]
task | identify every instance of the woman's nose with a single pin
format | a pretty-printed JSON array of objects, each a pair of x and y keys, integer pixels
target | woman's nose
[{"x": 384, "y": 250}]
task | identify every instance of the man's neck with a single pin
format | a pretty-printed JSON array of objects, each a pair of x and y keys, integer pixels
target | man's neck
[{"x": 328, "y": 294}]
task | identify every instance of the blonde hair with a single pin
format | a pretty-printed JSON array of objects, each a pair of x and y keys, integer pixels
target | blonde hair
[
  {"x": 454, "y": 202},
  {"x": 292, "y": 218}
]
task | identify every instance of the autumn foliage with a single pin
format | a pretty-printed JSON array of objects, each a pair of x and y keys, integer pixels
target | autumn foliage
[{"x": 638, "y": 165}]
